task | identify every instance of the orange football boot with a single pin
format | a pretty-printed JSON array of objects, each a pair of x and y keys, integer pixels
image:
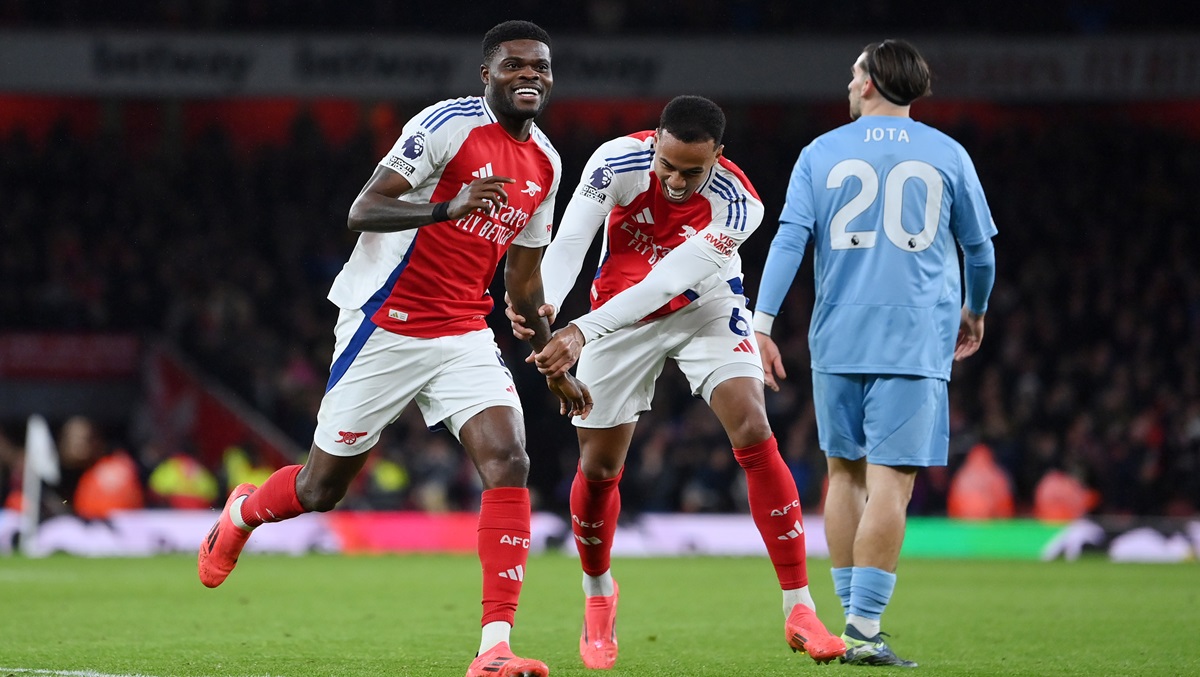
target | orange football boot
[
  {"x": 598, "y": 642},
  {"x": 499, "y": 661},
  {"x": 220, "y": 548},
  {"x": 806, "y": 633}
]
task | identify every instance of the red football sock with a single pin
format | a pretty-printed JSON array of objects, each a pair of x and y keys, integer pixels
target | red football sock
[
  {"x": 595, "y": 506},
  {"x": 275, "y": 500},
  {"x": 503, "y": 550},
  {"x": 775, "y": 507}
]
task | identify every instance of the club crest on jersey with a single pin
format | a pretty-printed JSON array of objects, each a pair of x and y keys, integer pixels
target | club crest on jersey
[
  {"x": 414, "y": 146},
  {"x": 531, "y": 188},
  {"x": 349, "y": 437}
]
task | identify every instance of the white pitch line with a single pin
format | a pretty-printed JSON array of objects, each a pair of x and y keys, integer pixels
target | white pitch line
[
  {"x": 65, "y": 673},
  {"x": 69, "y": 673}
]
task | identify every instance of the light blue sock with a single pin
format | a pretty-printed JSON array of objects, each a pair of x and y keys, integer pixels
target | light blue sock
[
  {"x": 870, "y": 591},
  {"x": 842, "y": 577}
]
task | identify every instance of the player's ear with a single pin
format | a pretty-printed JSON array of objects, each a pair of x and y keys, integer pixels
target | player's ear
[
  {"x": 720, "y": 151},
  {"x": 484, "y": 73}
]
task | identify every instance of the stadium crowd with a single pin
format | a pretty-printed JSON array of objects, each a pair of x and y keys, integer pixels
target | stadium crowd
[{"x": 1091, "y": 363}]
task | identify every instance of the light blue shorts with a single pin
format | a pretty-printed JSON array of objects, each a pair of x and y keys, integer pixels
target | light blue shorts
[{"x": 889, "y": 419}]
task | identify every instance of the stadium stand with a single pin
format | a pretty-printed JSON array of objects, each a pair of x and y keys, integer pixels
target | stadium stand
[{"x": 1091, "y": 363}]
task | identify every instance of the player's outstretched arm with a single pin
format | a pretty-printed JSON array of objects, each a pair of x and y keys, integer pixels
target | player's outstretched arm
[{"x": 376, "y": 209}]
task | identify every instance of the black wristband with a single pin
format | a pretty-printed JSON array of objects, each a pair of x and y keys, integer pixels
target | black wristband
[{"x": 441, "y": 212}]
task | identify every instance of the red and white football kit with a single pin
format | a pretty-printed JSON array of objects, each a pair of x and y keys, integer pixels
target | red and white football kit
[
  {"x": 669, "y": 282},
  {"x": 669, "y": 285},
  {"x": 414, "y": 303}
]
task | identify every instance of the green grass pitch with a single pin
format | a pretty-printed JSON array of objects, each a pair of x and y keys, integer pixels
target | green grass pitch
[{"x": 396, "y": 615}]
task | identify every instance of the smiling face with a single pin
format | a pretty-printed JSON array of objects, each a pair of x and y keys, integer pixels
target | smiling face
[
  {"x": 681, "y": 167},
  {"x": 517, "y": 79}
]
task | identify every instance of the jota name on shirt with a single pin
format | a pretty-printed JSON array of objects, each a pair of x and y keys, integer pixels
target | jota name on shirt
[{"x": 886, "y": 133}]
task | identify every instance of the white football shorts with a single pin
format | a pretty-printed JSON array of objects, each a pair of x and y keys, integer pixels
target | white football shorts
[
  {"x": 375, "y": 374},
  {"x": 710, "y": 339}
]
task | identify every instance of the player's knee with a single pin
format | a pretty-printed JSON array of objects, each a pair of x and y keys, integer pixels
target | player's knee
[
  {"x": 319, "y": 496},
  {"x": 506, "y": 466},
  {"x": 599, "y": 469},
  {"x": 749, "y": 431}
]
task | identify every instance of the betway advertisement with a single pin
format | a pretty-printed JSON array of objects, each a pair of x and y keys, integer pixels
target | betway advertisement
[
  {"x": 152, "y": 532},
  {"x": 784, "y": 68}
]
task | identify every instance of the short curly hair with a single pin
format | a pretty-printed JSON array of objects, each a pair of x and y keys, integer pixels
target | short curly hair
[
  {"x": 693, "y": 118},
  {"x": 512, "y": 30}
]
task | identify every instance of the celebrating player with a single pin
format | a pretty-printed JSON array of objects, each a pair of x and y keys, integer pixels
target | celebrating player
[
  {"x": 883, "y": 200},
  {"x": 412, "y": 324},
  {"x": 675, "y": 212}
]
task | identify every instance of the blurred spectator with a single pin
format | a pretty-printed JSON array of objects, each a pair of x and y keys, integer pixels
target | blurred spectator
[
  {"x": 980, "y": 488},
  {"x": 11, "y": 468},
  {"x": 383, "y": 483},
  {"x": 1060, "y": 497},
  {"x": 98, "y": 480},
  {"x": 243, "y": 464},
  {"x": 183, "y": 483}
]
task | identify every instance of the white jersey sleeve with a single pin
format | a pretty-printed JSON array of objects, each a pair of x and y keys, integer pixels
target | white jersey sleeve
[
  {"x": 425, "y": 144},
  {"x": 712, "y": 251},
  {"x": 599, "y": 190},
  {"x": 537, "y": 232}
]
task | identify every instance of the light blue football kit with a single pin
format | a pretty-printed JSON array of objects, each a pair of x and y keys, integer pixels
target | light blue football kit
[{"x": 884, "y": 200}]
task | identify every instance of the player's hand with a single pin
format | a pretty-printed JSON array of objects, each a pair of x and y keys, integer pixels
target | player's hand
[
  {"x": 561, "y": 353},
  {"x": 574, "y": 398},
  {"x": 772, "y": 361},
  {"x": 519, "y": 328},
  {"x": 970, "y": 335},
  {"x": 481, "y": 195}
]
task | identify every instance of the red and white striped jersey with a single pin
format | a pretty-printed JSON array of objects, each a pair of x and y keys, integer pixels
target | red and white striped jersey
[
  {"x": 433, "y": 281},
  {"x": 642, "y": 228}
]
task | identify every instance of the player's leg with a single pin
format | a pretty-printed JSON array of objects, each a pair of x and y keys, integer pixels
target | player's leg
[
  {"x": 473, "y": 396},
  {"x": 906, "y": 426},
  {"x": 596, "y": 501},
  {"x": 495, "y": 441},
  {"x": 838, "y": 403},
  {"x": 876, "y": 552},
  {"x": 293, "y": 490},
  {"x": 775, "y": 508},
  {"x": 845, "y": 500},
  {"x": 374, "y": 375},
  {"x": 620, "y": 369},
  {"x": 774, "y": 499},
  {"x": 721, "y": 363},
  {"x": 595, "y": 509}
]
